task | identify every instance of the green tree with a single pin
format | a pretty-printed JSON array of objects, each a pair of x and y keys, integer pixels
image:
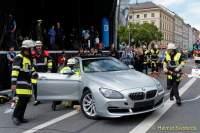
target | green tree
[
  {"x": 141, "y": 33},
  {"x": 123, "y": 34}
]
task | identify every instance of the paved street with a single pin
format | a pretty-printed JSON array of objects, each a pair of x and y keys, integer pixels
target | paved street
[{"x": 168, "y": 119}]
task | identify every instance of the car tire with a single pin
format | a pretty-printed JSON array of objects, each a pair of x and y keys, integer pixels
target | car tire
[{"x": 88, "y": 105}]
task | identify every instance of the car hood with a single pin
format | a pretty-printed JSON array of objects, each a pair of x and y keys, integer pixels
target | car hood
[{"x": 121, "y": 80}]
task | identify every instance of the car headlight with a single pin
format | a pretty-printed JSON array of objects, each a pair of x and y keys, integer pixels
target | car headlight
[
  {"x": 159, "y": 87},
  {"x": 111, "y": 94}
]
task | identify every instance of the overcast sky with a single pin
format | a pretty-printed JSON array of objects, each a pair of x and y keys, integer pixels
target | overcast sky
[{"x": 189, "y": 10}]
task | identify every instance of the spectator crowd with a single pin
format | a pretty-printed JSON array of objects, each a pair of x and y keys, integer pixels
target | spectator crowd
[{"x": 54, "y": 37}]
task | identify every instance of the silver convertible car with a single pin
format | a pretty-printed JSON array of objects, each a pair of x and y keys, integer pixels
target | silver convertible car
[{"x": 105, "y": 88}]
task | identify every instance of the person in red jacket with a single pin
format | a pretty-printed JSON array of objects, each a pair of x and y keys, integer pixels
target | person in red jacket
[
  {"x": 42, "y": 63},
  {"x": 61, "y": 60}
]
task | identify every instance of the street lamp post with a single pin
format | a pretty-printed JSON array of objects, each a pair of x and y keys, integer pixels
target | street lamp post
[
  {"x": 125, "y": 13},
  {"x": 129, "y": 36}
]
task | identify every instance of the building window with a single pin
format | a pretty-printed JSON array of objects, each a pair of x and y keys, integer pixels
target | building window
[
  {"x": 138, "y": 16},
  {"x": 130, "y": 17},
  {"x": 145, "y": 15},
  {"x": 152, "y": 15}
]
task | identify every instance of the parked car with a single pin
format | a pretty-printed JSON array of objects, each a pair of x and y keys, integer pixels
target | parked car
[{"x": 105, "y": 88}]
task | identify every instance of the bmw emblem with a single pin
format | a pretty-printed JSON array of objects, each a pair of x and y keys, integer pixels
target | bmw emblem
[{"x": 143, "y": 89}]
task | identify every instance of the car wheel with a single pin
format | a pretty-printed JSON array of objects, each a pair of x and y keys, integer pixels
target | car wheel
[{"x": 88, "y": 105}]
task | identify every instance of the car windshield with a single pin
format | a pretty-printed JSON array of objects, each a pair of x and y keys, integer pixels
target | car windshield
[{"x": 103, "y": 65}]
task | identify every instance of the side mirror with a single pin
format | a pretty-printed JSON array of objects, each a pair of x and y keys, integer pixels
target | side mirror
[{"x": 131, "y": 66}]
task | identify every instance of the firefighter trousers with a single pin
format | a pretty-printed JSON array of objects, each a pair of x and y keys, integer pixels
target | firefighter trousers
[
  {"x": 172, "y": 85},
  {"x": 35, "y": 91},
  {"x": 145, "y": 67},
  {"x": 21, "y": 107}
]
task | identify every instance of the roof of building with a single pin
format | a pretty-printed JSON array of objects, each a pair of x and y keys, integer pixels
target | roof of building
[
  {"x": 145, "y": 5},
  {"x": 167, "y": 10},
  {"x": 150, "y": 5}
]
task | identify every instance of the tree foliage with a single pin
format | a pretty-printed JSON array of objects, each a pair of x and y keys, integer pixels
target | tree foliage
[{"x": 141, "y": 33}]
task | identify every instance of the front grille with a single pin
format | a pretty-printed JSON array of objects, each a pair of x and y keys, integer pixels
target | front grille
[
  {"x": 151, "y": 94},
  {"x": 142, "y": 106},
  {"x": 137, "y": 96}
]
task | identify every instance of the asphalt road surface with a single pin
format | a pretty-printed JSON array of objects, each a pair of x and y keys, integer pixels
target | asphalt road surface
[{"x": 169, "y": 119}]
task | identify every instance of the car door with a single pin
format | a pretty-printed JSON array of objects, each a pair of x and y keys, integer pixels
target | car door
[{"x": 56, "y": 86}]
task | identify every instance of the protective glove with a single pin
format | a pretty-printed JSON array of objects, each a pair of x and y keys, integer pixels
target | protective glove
[{"x": 35, "y": 75}]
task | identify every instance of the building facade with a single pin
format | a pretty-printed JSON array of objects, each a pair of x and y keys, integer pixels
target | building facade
[
  {"x": 167, "y": 26},
  {"x": 178, "y": 30},
  {"x": 185, "y": 36},
  {"x": 149, "y": 12},
  {"x": 190, "y": 37},
  {"x": 195, "y": 35}
]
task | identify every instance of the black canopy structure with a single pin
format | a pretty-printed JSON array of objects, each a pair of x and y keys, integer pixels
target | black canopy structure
[{"x": 71, "y": 13}]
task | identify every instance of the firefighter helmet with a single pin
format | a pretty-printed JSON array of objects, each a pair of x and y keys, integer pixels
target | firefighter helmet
[
  {"x": 28, "y": 44},
  {"x": 72, "y": 61},
  {"x": 171, "y": 46},
  {"x": 38, "y": 43}
]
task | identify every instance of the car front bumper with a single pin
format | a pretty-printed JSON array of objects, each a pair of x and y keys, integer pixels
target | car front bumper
[{"x": 114, "y": 108}]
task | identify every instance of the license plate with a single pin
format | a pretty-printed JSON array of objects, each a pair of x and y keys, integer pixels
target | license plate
[{"x": 144, "y": 104}]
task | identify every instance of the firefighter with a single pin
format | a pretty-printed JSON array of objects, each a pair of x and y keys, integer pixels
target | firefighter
[
  {"x": 71, "y": 68},
  {"x": 154, "y": 58},
  {"x": 146, "y": 62},
  {"x": 42, "y": 63},
  {"x": 172, "y": 66},
  {"x": 22, "y": 72}
]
